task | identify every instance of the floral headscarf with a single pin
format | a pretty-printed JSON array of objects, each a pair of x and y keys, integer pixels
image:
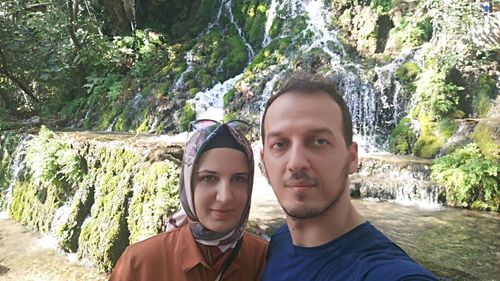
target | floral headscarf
[{"x": 195, "y": 147}]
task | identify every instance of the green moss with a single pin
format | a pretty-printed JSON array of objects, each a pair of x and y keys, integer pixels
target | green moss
[
  {"x": 34, "y": 205},
  {"x": 228, "y": 97},
  {"x": 68, "y": 232},
  {"x": 484, "y": 95},
  {"x": 403, "y": 138},
  {"x": 432, "y": 136},
  {"x": 192, "y": 92},
  {"x": 230, "y": 116},
  {"x": 407, "y": 74},
  {"x": 162, "y": 89},
  {"x": 189, "y": 114},
  {"x": 483, "y": 137},
  {"x": 236, "y": 58},
  {"x": 275, "y": 28},
  {"x": 155, "y": 199},
  {"x": 105, "y": 233}
]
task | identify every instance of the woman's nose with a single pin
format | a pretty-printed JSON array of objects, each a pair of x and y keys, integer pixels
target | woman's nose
[{"x": 224, "y": 193}]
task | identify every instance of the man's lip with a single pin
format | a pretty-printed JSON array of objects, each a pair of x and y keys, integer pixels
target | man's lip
[{"x": 299, "y": 184}]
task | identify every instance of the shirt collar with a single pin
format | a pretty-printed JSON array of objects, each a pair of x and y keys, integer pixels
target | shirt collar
[{"x": 191, "y": 255}]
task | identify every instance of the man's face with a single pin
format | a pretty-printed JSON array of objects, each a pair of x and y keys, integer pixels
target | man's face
[{"x": 305, "y": 156}]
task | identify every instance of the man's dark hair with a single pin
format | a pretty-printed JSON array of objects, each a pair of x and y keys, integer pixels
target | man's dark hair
[{"x": 305, "y": 83}]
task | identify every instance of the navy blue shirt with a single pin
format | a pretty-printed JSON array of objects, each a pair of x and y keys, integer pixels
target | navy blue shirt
[{"x": 363, "y": 253}]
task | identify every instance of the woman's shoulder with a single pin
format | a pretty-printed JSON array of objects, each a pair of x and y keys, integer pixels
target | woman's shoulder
[
  {"x": 254, "y": 240},
  {"x": 154, "y": 243}
]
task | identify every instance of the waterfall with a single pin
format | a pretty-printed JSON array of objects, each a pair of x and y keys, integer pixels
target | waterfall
[
  {"x": 250, "y": 51},
  {"x": 18, "y": 168},
  {"x": 189, "y": 60},
  {"x": 271, "y": 14},
  {"x": 210, "y": 104},
  {"x": 322, "y": 35},
  {"x": 110, "y": 127}
]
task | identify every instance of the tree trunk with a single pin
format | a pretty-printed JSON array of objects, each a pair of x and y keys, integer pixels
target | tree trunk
[
  {"x": 3, "y": 70},
  {"x": 122, "y": 13},
  {"x": 80, "y": 67}
]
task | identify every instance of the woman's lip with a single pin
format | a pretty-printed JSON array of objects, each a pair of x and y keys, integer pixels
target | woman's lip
[{"x": 221, "y": 213}]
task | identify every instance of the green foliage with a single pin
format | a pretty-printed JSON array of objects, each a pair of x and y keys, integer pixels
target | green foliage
[
  {"x": 52, "y": 160},
  {"x": 192, "y": 92},
  {"x": 73, "y": 106},
  {"x": 230, "y": 116},
  {"x": 414, "y": 32},
  {"x": 188, "y": 115},
  {"x": 381, "y": 6},
  {"x": 403, "y": 138},
  {"x": 228, "y": 97},
  {"x": 470, "y": 179},
  {"x": 109, "y": 87},
  {"x": 435, "y": 96},
  {"x": 271, "y": 54},
  {"x": 407, "y": 74}
]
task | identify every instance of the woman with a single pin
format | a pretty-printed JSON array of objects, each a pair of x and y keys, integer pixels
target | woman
[{"x": 206, "y": 238}]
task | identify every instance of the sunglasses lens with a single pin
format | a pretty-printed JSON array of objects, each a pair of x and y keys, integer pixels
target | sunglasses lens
[
  {"x": 204, "y": 124},
  {"x": 240, "y": 125}
]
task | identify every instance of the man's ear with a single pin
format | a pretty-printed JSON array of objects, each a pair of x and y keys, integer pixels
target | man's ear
[
  {"x": 352, "y": 154},
  {"x": 262, "y": 165}
]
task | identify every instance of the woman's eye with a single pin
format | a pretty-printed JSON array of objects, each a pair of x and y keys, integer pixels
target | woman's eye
[
  {"x": 240, "y": 179},
  {"x": 208, "y": 178}
]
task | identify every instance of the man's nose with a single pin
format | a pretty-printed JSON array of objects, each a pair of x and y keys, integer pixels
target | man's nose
[{"x": 297, "y": 159}]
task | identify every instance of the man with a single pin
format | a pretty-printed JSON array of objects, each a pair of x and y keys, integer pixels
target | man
[{"x": 308, "y": 154}]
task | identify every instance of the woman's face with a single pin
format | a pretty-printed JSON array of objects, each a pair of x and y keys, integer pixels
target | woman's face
[{"x": 221, "y": 188}]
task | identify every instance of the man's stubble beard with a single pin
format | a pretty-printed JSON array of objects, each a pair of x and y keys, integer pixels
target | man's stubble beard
[{"x": 308, "y": 213}]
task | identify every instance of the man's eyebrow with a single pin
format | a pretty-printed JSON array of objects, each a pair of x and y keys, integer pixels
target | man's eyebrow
[
  {"x": 273, "y": 134},
  {"x": 322, "y": 131}
]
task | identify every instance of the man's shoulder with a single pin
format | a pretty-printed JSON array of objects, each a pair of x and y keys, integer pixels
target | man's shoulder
[
  {"x": 398, "y": 269},
  {"x": 282, "y": 230}
]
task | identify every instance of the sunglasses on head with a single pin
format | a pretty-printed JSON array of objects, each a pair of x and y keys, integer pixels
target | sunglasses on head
[{"x": 211, "y": 125}]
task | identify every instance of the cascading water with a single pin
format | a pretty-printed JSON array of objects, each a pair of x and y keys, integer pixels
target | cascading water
[
  {"x": 189, "y": 61},
  {"x": 322, "y": 35},
  {"x": 210, "y": 104},
  {"x": 375, "y": 103},
  {"x": 251, "y": 53},
  {"x": 269, "y": 22},
  {"x": 17, "y": 169}
]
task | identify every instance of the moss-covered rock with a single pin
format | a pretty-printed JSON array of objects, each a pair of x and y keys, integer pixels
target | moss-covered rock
[
  {"x": 487, "y": 137},
  {"x": 155, "y": 198},
  {"x": 432, "y": 136},
  {"x": 83, "y": 192}
]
